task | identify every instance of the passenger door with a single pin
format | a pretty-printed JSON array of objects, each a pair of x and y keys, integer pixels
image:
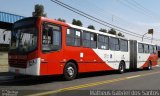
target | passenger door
[{"x": 51, "y": 44}]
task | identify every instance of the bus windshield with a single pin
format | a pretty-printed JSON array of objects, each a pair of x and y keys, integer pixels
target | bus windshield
[{"x": 24, "y": 40}]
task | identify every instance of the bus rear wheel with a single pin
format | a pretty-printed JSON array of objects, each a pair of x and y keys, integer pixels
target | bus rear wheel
[
  {"x": 121, "y": 68},
  {"x": 70, "y": 71},
  {"x": 149, "y": 65}
]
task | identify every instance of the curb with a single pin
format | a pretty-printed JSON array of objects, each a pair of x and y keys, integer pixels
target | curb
[
  {"x": 4, "y": 69},
  {"x": 6, "y": 77},
  {"x": 3, "y": 66}
]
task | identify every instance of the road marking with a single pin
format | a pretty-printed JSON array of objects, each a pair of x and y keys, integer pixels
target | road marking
[
  {"x": 92, "y": 84},
  {"x": 133, "y": 76}
]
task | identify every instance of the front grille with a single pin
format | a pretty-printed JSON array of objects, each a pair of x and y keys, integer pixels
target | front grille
[{"x": 18, "y": 63}]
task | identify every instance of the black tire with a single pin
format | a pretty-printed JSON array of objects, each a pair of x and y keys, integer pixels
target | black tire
[
  {"x": 121, "y": 68},
  {"x": 149, "y": 67},
  {"x": 70, "y": 71}
]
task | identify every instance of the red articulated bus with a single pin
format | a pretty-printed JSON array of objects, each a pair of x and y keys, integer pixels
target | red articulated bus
[{"x": 41, "y": 46}]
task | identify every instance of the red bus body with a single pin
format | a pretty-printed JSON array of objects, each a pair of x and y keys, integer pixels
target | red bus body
[{"x": 86, "y": 59}]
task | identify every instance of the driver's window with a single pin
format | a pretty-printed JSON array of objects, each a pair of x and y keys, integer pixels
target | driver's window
[{"x": 51, "y": 39}]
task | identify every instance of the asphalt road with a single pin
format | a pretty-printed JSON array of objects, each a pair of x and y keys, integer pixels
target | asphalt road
[{"x": 54, "y": 85}]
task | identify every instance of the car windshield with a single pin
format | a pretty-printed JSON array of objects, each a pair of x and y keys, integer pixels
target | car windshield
[{"x": 24, "y": 40}]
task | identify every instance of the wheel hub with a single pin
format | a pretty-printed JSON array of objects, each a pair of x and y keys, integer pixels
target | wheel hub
[
  {"x": 121, "y": 68},
  {"x": 70, "y": 71}
]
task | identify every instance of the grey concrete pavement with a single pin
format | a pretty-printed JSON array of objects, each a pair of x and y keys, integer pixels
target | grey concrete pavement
[
  {"x": 55, "y": 83},
  {"x": 3, "y": 62},
  {"x": 31, "y": 85}
]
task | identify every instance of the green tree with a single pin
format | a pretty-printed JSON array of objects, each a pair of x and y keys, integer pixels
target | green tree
[
  {"x": 91, "y": 27},
  {"x": 62, "y": 20},
  {"x": 103, "y": 30},
  {"x": 38, "y": 11},
  {"x": 120, "y": 34},
  {"x": 112, "y": 31},
  {"x": 77, "y": 22}
]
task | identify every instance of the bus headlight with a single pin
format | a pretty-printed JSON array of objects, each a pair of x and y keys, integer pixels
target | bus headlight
[{"x": 31, "y": 62}]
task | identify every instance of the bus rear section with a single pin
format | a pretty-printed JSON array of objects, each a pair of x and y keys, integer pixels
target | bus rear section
[{"x": 142, "y": 55}]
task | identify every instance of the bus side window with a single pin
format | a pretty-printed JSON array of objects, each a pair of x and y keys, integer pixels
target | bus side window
[
  {"x": 103, "y": 42},
  {"x": 70, "y": 37},
  {"x": 89, "y": 39},
  {"x": 140, "y": 48},
  {"x": 93, "y": 40},
  {"x": 111, "y": 43},
  {"x": 73, "y": 37},
  {"x": 114, "y": 44},
  {"x": 117, "y": 44},
  {"x": 146, "y": 48},
  {"x": 78, "y": 38},
  {"x": 124, "y": 45},
  {"x": 155, "y": 49},
  {"x": 151, "y": 49},
  {"x": 86, "y": 39}
]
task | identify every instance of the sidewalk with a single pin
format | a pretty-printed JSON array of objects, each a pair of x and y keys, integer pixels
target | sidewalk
[
  {"x": 3, "y": 62},
  {"x": 3, "y": 68}
]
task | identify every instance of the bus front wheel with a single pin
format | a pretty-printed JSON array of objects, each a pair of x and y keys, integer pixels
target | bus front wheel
[{"x": 70, "y": 71}]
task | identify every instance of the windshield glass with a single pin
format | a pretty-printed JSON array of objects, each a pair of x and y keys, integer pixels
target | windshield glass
[{"x": 24, "y": 39}]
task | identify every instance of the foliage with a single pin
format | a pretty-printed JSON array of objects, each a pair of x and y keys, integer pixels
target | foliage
[
  {"x": 91, "y": 27},
  {"x": 103, "y": 30},
  {"x": 62, "y": 20},
  {"x": 120, "y": 34},
  {"x": 112, "y": 31},
  {"x": 77, "y": 22},
  {"x": 39, "y": 11}
]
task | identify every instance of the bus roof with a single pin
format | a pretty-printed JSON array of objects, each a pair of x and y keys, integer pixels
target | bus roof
[{"x": 55, "y": 21}]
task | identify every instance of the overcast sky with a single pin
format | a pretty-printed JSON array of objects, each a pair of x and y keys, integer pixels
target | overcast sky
[{"x": 134, "y": 15}]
